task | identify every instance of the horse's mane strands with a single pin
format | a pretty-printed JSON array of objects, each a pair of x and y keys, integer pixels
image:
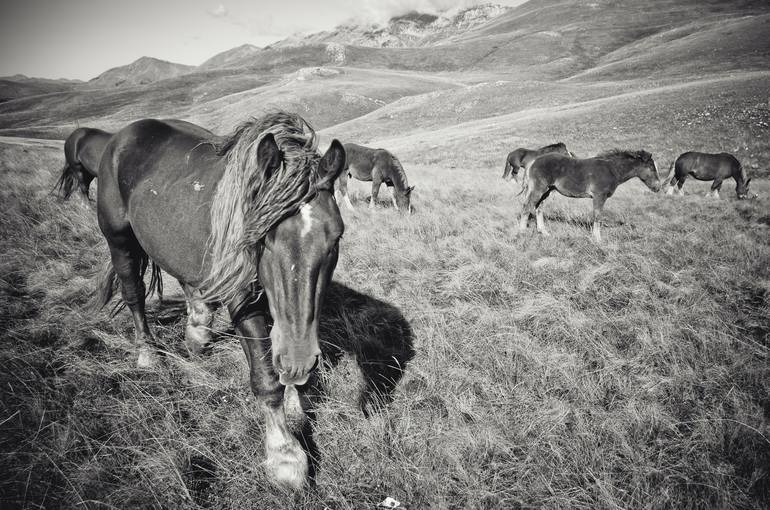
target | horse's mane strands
[
  {"x": 620, "y": 153},
  {"x": 403, "y": 183},
  {"x": 247, "y": 204},
  {"x": 552, "y": 146}
]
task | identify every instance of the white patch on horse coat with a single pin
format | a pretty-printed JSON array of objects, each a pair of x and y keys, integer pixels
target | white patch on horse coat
[{"x": 306, "y": 211}]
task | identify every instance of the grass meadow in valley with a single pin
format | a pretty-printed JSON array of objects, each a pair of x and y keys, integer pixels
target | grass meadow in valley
[{"x": 541, "y": 372}]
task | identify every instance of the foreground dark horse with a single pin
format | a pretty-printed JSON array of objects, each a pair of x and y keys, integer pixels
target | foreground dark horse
[
  {"x": 378, "y": 166},
  {"x": 709, "y": 167},
  {"x": 596, "y": 178},
  {"x": 522, "y": 158},
  {"x": 83, "y": 150},
  {"x": 249, "y": 221}
]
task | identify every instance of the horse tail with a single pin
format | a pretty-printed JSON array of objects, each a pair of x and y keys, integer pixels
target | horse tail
[
  {"x": 525, "y": 179},
  {"x": 107, "y": 284},
  {"x": 68, "y": 181},
  {"x": 672, "y": 174}
]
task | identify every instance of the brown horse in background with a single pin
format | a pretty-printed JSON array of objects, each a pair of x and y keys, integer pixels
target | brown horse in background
[
  {"x": 378, "y": 166},
  {"x": 595, "y": 178},
  {"x": 248, "y": 220},
  {"x": 709, "y": 167},
  {"x": 522, "y": 158}
]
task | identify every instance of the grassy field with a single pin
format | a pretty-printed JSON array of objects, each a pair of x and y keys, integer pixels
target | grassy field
[{"x": 548, "y": 372}]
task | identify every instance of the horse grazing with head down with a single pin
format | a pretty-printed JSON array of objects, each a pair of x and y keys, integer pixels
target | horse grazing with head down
[
  {"x": 595, "y": 178},
  {"x": 522, "y": 158},
  {"x": 378, "y": 166},
  {"x": 249, "y": 220},
  {"x": 83, "y": 150},
  {"x": 709, "y": 167}
]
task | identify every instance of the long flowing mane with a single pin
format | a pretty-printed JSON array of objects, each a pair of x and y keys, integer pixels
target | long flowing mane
[
  {"x": 248, "y": 204},
  {"x": 400, "y": 180},
  {"x": 623, "y": 154},
  {"x": 552, "y": 147}
]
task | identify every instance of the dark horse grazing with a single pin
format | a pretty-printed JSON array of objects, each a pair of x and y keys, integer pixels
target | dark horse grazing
[
  {"x": 709, "y": 167},
  {"x": 522, "y": 158},
  {"x": 596, "y": 178},
  {"x": 378, "y": 166},
  {"x": 82, "y": 152},
  {"x": 249, "y": 221}
]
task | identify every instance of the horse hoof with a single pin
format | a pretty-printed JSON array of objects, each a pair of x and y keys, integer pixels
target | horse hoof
[
  {"x": 146, "y": 358},
  {"x": 286, "y": 464}
]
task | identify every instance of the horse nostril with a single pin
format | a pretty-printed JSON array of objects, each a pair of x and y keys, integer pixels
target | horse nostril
[{"x": 315, "y": 363}]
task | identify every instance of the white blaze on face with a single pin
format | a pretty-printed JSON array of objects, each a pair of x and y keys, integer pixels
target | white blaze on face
[{"x": 306, "y": 211}]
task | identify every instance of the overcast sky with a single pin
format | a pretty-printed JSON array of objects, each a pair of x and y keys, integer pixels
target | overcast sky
[{"x": 82, "y": 38}]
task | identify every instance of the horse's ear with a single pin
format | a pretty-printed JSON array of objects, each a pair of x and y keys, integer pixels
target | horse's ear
[
  {"x": 409, "y": 189},
  {"x": 269, "y": 155},
  {"x": 332, "y": 163}
]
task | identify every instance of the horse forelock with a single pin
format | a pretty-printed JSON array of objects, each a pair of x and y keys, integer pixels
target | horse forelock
[{"x": 248, "y": 203}]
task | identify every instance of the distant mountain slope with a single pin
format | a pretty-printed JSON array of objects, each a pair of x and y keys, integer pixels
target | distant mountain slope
[
  {"x": 230, "y": 57},
  {"x": 14, "y": 87},
  {"x": 408, "y": 30},
  {"x": 140, "y": 72}
]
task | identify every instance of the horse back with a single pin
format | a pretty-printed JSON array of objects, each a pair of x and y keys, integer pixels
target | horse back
[
  {"x": 707, "y": 166},
  {"x": 360, "y": 161},
  {"x": 159, "y": 180}
]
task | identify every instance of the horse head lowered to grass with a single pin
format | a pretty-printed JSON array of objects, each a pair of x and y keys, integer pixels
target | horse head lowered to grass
[{"x": 248, "y": 220}]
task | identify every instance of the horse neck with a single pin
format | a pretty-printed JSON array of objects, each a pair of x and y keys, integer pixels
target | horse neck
[
  {"x": 398, "y": 176},
  {"x": 627, "y": 170}
]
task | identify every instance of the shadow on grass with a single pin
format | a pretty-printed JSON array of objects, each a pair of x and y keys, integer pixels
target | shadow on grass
[{"x": 374, "y": 332}]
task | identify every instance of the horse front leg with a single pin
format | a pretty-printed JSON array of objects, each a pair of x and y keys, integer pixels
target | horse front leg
[
  {"x": 127, "y": 262},
  {"x": 715, "y": 187},
  {"x": 376, "y": 183},
  {"x": 286, "y": 461},
  {"x": 597, "y": 217},
  {"x": 200, "y": 317},
  {"x": 342, "y": 190}
]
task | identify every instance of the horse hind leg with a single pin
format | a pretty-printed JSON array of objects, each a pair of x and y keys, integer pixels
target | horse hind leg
[
  {"x": 200, "y": 317},
  {"x": 539, "y": 219},
  {"x": 533, "y": 198},
  {"x": 129, "y": 260}
]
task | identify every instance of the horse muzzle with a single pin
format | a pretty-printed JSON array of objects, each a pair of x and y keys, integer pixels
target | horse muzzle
[{"x": 292, "y": 370}]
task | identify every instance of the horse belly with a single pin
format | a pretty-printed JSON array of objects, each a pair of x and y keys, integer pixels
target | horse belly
[
  {"x": 171, "y": 223},
  {"x": 360, "y": 173}
]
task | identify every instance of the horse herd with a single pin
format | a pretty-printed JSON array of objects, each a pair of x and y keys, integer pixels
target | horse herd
[{"x": 250, "y": 221}]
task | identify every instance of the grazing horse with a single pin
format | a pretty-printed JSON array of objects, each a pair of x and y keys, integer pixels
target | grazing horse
[
  {"x": 523, "y": 158},
  {"x": 82, "y": 152},
  {"x": 709, "y": 167},
  {"x": 595, "y": 178},
  {"x": 378, "y": 166},
  {"x": 249, "y": 220}
]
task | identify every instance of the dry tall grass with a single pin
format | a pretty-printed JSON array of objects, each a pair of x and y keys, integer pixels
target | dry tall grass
[{"x": 549, "y": 372}]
